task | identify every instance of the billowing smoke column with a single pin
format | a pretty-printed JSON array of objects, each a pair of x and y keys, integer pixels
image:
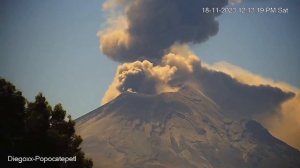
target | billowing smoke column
[
  {"x": 150, "y": 35},
  {"x": 175, "y": 68},
  {"x": 150, "y": 38},
  {"x": 148, "y": 27}
]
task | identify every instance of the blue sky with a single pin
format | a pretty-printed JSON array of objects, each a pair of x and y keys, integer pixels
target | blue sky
[{"x": 51, "y": 47}]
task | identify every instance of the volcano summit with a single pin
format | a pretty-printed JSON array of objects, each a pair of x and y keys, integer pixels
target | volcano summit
[{"x": 184, "y": 129}]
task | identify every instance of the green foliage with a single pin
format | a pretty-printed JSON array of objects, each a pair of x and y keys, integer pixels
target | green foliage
[{"x": 38, "y": 129}]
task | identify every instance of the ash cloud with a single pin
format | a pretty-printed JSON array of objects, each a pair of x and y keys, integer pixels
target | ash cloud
[
  {"x": 240, "y": 100},
  {"x": 285, "y": 124},
  {"x": 152, "y": 26},
  {"x": 180, "y": 66},
  {"x": 149, "y": 37},
  {"x": 261, "y": 99},
  {"x": 176, "y": 68},
  {"x": 141, "y": 77},
  {"x": 282, "y": 119}
]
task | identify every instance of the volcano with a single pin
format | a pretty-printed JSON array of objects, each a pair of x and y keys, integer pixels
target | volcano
[{"x": 184, "y": 129}]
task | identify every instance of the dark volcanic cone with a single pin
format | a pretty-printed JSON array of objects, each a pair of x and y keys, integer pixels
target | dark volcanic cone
[{"x": 177, "y": 130}]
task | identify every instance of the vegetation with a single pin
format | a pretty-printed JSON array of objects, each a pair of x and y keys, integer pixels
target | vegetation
[{"x": 36, "y": 129}]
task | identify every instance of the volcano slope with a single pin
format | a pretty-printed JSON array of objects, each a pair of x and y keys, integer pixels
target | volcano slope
[{"x": 184, "y": 129}]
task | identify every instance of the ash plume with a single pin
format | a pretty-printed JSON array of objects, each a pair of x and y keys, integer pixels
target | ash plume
[
  {"x": 151, "y": 37},
  {"x": 149, "y": 27},
  {"x": 176, "y": 67}
]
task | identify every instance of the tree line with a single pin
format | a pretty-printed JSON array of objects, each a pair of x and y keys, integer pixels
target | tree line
[{"x": 29, "y": 129}]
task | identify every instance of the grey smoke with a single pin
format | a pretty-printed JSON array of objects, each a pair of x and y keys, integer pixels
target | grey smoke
[
  {"x": 155, "y": 25},
  {"x": 182, "y": 68},
  {"x": 239, "y": 100}
]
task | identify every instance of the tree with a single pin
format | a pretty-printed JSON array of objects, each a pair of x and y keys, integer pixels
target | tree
[
  {"x": 37, "y": 116},
  {"x": 12, "y": 110},
  {"x": 39, "y": 129},
  {"x": 66, "y": 142}
]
